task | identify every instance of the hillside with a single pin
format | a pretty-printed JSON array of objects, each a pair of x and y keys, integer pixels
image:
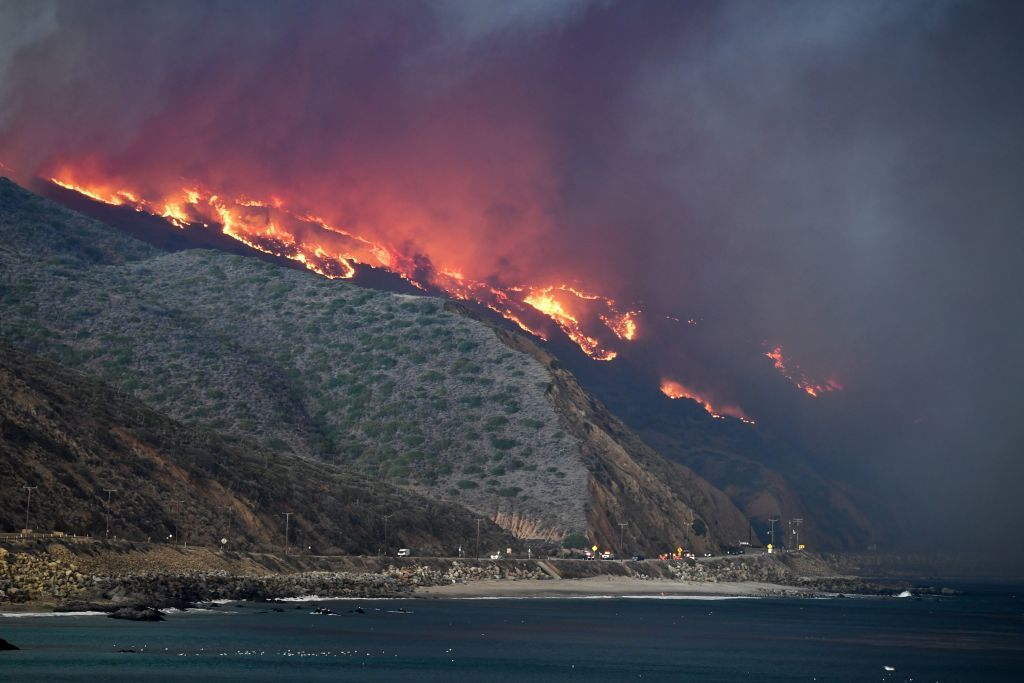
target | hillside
[
  {"x": 73, "y": 437},
  {"x": 394, "y": 386}
]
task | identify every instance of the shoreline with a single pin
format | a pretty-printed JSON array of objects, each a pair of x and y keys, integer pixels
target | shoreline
[{"x": 608, "y": 586}]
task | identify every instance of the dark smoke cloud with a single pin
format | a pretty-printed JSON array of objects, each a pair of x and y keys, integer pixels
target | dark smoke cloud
[{"x": 842, "y": 178}]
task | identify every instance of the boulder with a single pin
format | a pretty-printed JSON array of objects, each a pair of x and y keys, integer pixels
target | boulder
[{"x": 137, "y": 614}]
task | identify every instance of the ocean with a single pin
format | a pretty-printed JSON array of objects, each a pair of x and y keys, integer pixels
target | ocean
[{"x": 978, "y": 636}]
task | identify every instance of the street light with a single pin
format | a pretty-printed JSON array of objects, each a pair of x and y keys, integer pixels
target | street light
[
  {"x": 28, "y": 504},
  {"x": 109, "y": 491},
  {"x": 177, "y": 514},
  {"x": 795, "y": 526},
  {"x": 287, "y": 520}
]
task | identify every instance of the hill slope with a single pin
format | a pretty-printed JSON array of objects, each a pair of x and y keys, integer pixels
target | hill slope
[
  {"x": 396, "y": 386},
  {"x": 73, "y": 437}
]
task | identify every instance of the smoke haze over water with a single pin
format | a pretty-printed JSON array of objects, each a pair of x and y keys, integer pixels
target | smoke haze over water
[{"x": 842, "y": 179}]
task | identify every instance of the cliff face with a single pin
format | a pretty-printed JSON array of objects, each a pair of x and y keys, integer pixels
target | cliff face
[{"x": 663, "y": 505}]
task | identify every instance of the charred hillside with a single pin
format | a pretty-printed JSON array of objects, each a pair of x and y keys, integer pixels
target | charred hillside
[{"x": 73, "y": 437}]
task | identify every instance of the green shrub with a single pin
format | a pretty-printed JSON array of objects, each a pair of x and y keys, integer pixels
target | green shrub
[{"x": 575, "y": 540}]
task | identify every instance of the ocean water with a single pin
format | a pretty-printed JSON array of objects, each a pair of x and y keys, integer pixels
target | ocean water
[{"x": 974, "y": 637}]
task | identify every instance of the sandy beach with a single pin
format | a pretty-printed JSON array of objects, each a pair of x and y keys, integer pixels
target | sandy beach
[{"x": 605, "y": 586}]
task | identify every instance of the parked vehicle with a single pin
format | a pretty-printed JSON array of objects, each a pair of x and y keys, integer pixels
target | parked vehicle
[
  {"x": 404, "y": 552},
  {"x": 639, "y": 558},
  {"x": 588, "y": 554},
  {"x": 495, "y": 556},
  {"x": 607, "y": 555}
]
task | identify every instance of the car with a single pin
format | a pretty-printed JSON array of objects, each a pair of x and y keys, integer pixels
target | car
[
  {"x": 735, "y": 551},
  {"x": 495, "y": 556},
  {"x": 404, "y": 552},
  {"x": 639, "y": 558},
  {"x": 588, "y": 555},
  {"x": 607, "y": 555},
  {"x": 707, "y": 555}
]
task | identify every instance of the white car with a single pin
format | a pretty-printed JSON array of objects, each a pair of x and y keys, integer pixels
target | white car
[
  {"x": 495, "y": 556},
  {"x": 404, "y": 552}
]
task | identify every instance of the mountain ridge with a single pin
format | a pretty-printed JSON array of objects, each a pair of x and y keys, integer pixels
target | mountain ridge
[{"x": 395, "y": 386}]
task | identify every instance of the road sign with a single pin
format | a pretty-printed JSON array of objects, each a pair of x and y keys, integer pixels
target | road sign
[{"x": 594, "y": 548}]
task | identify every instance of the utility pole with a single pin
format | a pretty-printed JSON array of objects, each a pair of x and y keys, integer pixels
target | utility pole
[
  {"x": 109, "y": 491},
  {"x": 622, "y": 528},
  {"x": 177, "y": 514},
  {"x": 386, "y": 518},
  {"x": 287, "y": 522},
  {"x": 795, "y": 526},
  {"x": 28, "y": 504},
  {"x": 478, "y": 538},
  {"x": 772, "y": 521}
]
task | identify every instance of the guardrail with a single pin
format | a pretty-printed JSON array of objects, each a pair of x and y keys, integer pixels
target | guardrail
[{"x": 32, "y": 535}]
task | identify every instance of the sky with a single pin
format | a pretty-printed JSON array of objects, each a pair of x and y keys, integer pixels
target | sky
[{"x": 841, "y": 179}]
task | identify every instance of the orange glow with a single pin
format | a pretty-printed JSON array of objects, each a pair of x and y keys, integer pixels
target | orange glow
[
  {"x": 791, "y": 371},
  {"x": 176, "y": 215},
  {"x": 112, "y": 197},
  {"x": 272, "y": 227},
  {"x": 676, "y": 390},
  {"x": 545, "y": 301},
  {"x": 623, "y": 325}
]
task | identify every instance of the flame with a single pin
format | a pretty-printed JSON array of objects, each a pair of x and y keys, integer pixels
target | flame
[
  {"x": 112, "y": 197},
  {"x": 676, "y": 390},
  {"x": 791, "y": 371},
  {"x": 623, "y": 324},
  {"x": 545, "y": 301},
  {"x": 273, "y": 227},
  {"x": 176, "y": 215}
]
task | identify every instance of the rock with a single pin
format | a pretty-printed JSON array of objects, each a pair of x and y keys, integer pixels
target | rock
[
  {"x": 79, "y": 606},
  {"x": 137, "y": 614},
  {"x": 4, "y": 645}
]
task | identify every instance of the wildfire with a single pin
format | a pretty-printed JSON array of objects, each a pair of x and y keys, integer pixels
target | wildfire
[
  {"x": 545, "y": 301},
  {"x": 113, "y": 197},
  {"x": 623, "y": 324},
  {"x": 271, "y": 226},
  {"x": 676, "y": 390},
  {"x": 791, "y": 371}
]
